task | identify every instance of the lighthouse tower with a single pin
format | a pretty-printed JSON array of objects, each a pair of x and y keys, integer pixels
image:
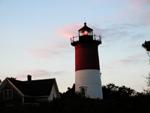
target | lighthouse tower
[{"x": 87, "y": 69}]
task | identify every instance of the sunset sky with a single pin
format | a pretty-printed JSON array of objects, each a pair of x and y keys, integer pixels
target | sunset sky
[{"x": 34, "y": 39}]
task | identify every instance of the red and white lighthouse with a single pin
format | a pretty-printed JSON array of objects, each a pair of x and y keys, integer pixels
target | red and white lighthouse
[{"x": 87, "y": 69}]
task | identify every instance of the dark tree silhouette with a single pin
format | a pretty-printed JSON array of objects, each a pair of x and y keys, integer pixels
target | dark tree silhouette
[
  {"x": 146, "y": 45},
  {"x": 116, "y": 100},
  {"x": 111, "y": 91}
]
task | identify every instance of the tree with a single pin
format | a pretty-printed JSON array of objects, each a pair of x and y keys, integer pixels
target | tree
[
  {"x": 148, "y": 80},
  {"x": 111, "y": 91},
  {"x": 146, "y": 46},
  {"x": 147, "y": 91},
  {"x": 125, "y": 91}
]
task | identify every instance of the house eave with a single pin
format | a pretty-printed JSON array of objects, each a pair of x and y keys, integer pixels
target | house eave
[{"x": 15, "y": 88}]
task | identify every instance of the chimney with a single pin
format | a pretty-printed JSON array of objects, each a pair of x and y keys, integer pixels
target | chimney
[{"x": 29, "y": 77}]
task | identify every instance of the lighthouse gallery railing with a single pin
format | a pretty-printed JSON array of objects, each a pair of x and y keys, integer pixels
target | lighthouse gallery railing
[{"x": 76, "y": 38}]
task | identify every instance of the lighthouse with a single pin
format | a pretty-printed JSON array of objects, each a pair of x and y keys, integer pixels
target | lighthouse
[{"x": 87, "y": 68}]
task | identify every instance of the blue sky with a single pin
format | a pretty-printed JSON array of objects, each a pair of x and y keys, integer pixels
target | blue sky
[{"x": 34, "y": 39}]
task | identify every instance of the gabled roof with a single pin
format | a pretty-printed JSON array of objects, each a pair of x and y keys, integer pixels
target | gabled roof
[{"x": 34, "y": 87}]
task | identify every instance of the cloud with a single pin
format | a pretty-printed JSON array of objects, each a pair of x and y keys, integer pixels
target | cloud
[
  {"x": 126, "y": 11},
  {"x": 40, "y": 73},
  {"x": 68, "y": 31},
  {"x": 112, "y": 33},
  {"x": 71, "y": 30},
  {"x": 145, "y": 18},
  {"x": 44, "y": 52},
  {"x": 124, "y": 67},
  {"x": 130, "y": 60},
  {"x": 35, "y": 73},
  {"x": 120, "y": 32},
  {"x": 139, "y": 11},
  {"x": 48, "y": 50},
  {"x": 140, "y": 3}
]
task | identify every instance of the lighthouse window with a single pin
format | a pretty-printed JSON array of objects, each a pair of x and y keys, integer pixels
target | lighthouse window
[{"x": 85, "y": 33}]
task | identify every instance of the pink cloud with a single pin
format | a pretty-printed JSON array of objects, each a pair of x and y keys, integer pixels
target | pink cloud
[
  {"x": 140, "y": 2},
  {"x": 68, "y": 30},
  {"x": 39, "y": 74},
  {"x": 137, "y": 4},
  {"x": 140, "y": 6},
  {"x": 139, "y": 10},
  {"x": 35, "y": 73},
  {"x": 145, "y": 17}
]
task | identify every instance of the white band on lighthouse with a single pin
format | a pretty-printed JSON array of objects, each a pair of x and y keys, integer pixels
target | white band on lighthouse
[{"x": 88, "y": 80}]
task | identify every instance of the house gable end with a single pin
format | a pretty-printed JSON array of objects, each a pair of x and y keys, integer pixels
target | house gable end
[
  {"x": 54, "y": 93},
  {"x": 9, "y": 93},
  {"x": 15, "y": 87}
]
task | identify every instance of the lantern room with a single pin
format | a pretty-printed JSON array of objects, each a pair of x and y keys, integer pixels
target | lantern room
[
  {"x": 85, "y": 31},
  {"x": 85, "y": 35}
]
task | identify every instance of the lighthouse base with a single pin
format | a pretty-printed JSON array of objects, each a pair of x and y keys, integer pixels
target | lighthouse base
[{"x": 88, "y": 83}]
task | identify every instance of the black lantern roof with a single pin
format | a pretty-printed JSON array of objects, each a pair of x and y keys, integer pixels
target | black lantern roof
[{"x": 85, "y": 28}]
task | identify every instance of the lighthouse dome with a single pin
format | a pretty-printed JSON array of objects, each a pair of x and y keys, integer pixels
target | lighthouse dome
[{"x": 85, "y": 31}]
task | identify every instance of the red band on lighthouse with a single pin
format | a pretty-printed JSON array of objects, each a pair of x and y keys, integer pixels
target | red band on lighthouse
[{"x": 86, "y": 56}]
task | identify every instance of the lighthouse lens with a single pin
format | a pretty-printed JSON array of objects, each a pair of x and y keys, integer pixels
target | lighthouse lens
[{"x": 85, "y": 33}]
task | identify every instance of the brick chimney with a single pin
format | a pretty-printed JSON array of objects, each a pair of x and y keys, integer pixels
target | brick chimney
[{"x": 29, "y": 78}]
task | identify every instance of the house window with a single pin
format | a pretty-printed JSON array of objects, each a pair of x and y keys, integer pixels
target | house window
[
  {"x": 83, "y": 90},
  {"x": 8, "y": 94}
]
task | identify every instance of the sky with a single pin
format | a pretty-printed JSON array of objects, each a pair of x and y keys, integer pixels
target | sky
[{"x": 35, "y": 39}]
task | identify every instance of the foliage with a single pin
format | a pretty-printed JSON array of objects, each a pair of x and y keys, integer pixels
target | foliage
[
  {"x": 116, "y": 100},
  {"x": 148, "y": 80},
  {"x": 111, "y": 91}
]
